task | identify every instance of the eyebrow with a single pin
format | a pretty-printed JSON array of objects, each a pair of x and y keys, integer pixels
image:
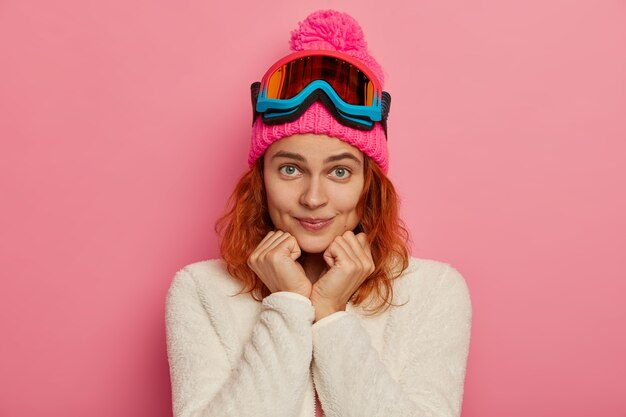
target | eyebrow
[
  {"x": 290, "y": 155},
  {"x": 299, "y": 157}
]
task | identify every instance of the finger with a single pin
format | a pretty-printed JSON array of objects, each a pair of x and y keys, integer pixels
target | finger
[
  {"x": 359, "y": 244},
  {"x": 347, "y": 242},
  {"x": 328, "y": 257},
  {"x": 363, "y": 254},
  {"x": 262, "y": 252},
  {"x": 362, "y": 238},
  {"x": 336, "y": 252},
  {"x": 259, "y": 247},
  {"x": 267, "y": 237},
  {"x": 292, "y": 245},
  {"x": 275, "y": 243},
  {"x": 267, "y": 240},
  {"x": 330, "y": 254},
  {"x": 356, "y": 259}
]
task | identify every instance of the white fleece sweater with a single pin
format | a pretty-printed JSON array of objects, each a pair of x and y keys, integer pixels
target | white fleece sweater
[{"x": 234, "y": 356}]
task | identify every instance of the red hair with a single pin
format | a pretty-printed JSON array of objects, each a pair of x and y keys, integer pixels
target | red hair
[{"x": 247, "y": 221}]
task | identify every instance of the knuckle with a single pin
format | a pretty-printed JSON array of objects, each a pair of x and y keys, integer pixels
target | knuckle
[{"x": 252, "y": 265}]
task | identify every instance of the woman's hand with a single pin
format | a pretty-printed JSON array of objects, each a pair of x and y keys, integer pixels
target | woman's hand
[
  {"x": 274, "y": 261},
  {"x": 350, "y": 262}
]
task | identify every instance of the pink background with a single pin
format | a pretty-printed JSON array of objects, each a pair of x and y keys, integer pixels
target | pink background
[{"x": 124, "y": 126}]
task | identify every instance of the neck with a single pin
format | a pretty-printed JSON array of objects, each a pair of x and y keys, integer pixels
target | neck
[{"x": 314, "y": 265}]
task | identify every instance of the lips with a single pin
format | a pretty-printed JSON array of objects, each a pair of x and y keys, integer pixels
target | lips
[{"x": 314, "y": 224}]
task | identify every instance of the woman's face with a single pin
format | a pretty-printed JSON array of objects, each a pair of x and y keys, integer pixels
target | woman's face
[{"x": 313, "y": 184}]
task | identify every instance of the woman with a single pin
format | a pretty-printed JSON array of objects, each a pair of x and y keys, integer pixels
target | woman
[{"x": 315, "y": 307}]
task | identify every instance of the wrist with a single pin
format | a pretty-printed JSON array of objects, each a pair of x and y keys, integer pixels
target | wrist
[
  {"x": 304, "y": 290},
  {"x": 322, "y": 311}
]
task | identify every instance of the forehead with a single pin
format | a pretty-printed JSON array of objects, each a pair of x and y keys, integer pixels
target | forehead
[{"x": 312, "y": 147}]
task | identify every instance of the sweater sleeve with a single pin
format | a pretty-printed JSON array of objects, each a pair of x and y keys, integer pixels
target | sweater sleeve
[
  {"x": 352, "y": 380},
  {"x": 270, "y": 377}
]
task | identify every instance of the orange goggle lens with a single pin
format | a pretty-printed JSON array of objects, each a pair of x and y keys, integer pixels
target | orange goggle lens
[{"x": 351, "y": 84}]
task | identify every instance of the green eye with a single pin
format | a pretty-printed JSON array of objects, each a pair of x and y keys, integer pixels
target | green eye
[
  {"x": 288, "y": 170},
  {"x": 341, "y": 172}
]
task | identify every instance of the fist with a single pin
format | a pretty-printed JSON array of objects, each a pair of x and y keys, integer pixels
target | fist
[
  {"x": 350, "y": 262},
  {"x": 274, "y": 262}
]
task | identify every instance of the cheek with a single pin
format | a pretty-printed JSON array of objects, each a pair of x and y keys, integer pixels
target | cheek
[
  {"x": 347, "y": 205},
  {"x": 347, "y": 200},
  {"x": 278, "y": 200}
]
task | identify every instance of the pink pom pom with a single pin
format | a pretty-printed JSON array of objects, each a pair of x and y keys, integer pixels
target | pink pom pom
[
  {"x": 335, "y": 31},
  {"x": 330, "y": 30}
]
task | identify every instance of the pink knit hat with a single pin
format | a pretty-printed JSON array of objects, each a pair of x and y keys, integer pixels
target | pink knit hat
[{"x": 335, "y": 31}]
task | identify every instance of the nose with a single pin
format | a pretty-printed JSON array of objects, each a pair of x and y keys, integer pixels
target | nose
[{"x": 313, "y": 195}]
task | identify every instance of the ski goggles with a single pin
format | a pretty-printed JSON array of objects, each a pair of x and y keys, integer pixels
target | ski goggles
[{"x": 346, "y": 87}]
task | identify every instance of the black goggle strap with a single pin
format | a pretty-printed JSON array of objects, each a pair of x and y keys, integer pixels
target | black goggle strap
[
  {"x": 385, "y": 108},
  {"x": 254, "y": 92}
]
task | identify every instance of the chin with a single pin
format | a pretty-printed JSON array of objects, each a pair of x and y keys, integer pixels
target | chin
[{"x": 310, "y": 244}]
